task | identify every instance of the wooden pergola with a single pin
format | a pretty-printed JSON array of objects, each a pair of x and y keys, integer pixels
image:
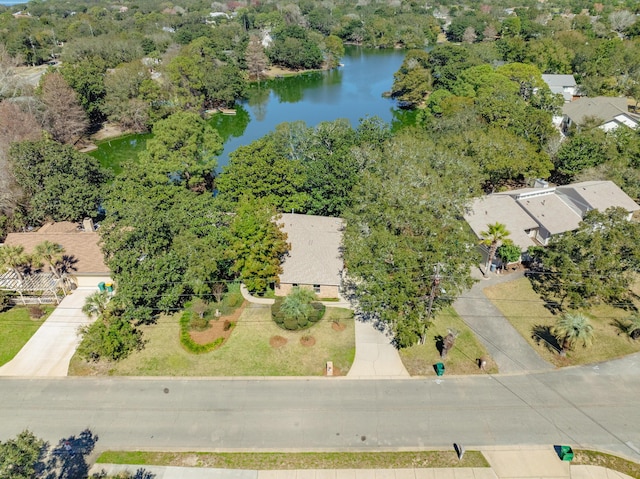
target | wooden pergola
[{"x": 34, "y": 288}]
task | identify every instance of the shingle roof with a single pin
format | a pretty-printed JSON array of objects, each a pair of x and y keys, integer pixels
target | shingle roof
[
  {"x": 602, "y": 107},
  {"x": 501, "y": 209},
  {"x": 83, "y": 246},
  {"x": 559, "y": 80},
  {"x": 551, "y": 212},
  {"x": 314, "y": 256},
  {"x": 602, "y": 195}
]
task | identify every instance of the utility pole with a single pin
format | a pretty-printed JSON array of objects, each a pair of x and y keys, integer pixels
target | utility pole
[{"x": 435, "y": 284}]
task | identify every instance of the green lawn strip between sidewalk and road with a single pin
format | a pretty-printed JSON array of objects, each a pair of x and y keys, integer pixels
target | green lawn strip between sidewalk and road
[
  {"x": 525, "y": 310},
  {"x": 462, "y": 359},
  {"x": 247, "y": 352},
  {"x": 586, "y": 457},
  {"x": 16, "y": 328},
  {"x": 303, "y": 460}
]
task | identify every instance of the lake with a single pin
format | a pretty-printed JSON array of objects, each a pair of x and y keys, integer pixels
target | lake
[{"x": 353, "y": 91}]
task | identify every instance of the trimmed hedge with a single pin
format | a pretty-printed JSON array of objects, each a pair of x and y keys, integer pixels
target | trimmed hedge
[
  {"x": 296, "y": 324},
  {"x": 189, "y": 344}
]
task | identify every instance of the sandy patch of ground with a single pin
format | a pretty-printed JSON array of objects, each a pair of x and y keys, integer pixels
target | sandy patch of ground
[{"x": 108, "y": 130}]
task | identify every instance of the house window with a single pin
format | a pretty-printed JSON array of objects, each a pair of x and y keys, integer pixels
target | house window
[{"x": 316, "y": 288}]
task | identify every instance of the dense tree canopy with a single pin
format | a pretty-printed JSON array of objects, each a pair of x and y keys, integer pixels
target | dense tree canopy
[
  {"x": 595, "y": 263},
  {"x": 183, "y": 151},
  {"x": 405, "y": 219},
  {"x": 58, "y": 182}
]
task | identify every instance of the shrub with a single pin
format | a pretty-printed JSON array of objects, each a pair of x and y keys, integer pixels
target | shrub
[
  {"x": 110, "y": 337},
  {"x": 297, "y": 310},
  {"x": 36, "y": 311},
  {"x": 232, "y": 299},
  {"x": 227, "y": 325},
  {"x": 5, "y": 300},
  {"x": 199, "y": 308},
  {"x": 189, "y": 344},
  {"x": 197, "y": 323}
]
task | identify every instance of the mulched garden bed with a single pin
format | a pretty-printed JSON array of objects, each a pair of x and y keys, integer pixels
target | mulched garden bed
[
  {"x": 277, "y": 341},
  {"x": 216, "y": 328},
  {"x": 307, "y": 341}
]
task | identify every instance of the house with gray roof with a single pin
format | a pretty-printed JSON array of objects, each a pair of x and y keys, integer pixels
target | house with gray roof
[
  {"x": 314, "y": 259},
  {"x": 493, "y": 209},
  {"x": 533, "y": 215},
  {"x": 564, "y": 85},
  {"x": 612, "y": 112}
]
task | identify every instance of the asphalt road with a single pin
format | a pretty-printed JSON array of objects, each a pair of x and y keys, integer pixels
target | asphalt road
[{"x": 586, "y": 407}]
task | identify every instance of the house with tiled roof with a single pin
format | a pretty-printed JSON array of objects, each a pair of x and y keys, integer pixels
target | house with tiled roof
[
  {"x": 314, "y": 259},
  {"x": 81, "y": 244}
]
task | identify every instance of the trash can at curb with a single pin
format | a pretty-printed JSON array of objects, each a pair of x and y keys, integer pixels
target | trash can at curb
[
  {"x": 566, "y": 453},
  {"x": 101, "y": 286},
  {"x": 109, "y": 287},
  {"x": 439, "y": 369}
]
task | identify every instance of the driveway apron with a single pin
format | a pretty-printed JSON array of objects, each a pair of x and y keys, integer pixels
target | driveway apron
[
  {"x": 50, "y": 349},
  {"x": 508, "y": 348}
]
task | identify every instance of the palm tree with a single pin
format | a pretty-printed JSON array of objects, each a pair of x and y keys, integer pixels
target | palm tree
[
  {"x": 572, "y": 328},
  {"x": 96, "y": 304},
  {"x": 51, "y": 254},
  {"x": 297, "y": 304},
  {"x": 632, "y": 328},
  {"x": 13, "y": 258},
  {"x": 493, "y": 237}
]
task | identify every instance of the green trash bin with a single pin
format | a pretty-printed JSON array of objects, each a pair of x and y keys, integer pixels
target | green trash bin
[
  {"x": 566, "y": 453},
  {"x": 101, "y": 286},
  {"x": 439, "y": 369},
  {"x": 109, "y": 287}
]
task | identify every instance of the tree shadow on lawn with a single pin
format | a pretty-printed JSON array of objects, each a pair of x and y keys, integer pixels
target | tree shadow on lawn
[
  {"x": 542, "y": 334},
  {"x": 68, "y": 459}
]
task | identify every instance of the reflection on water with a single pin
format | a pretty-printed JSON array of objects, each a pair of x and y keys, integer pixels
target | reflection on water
[{"x": 353, "y": 91}]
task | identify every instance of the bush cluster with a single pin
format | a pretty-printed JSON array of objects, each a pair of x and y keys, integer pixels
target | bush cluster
[
  {"x": 5, "y": 300},
  {"x": 111, "y": 337},
  {"x": 189, "y": 344},
  {"x": 293, "y": 323}
]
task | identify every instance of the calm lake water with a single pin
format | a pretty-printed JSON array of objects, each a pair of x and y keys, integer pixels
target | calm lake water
[{"x": 353, "y": 91}]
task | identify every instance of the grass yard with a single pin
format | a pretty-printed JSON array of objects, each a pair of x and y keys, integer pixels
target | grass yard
[
  {"x": 247, "y": 352},
  {"x": 596, "y": 458},
  {"x": 16, "y": 328},
  {"x": 302, "y": 460},
  {"x": 525, "y": 310},
  {"x": 462, "y": 359}
]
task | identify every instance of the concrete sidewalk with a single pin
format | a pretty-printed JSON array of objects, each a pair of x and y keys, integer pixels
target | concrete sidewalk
[
  {"x": 50, "y": 349},
  {"x": 508, "y": 348},
  {"x": 518, "y": 463}
]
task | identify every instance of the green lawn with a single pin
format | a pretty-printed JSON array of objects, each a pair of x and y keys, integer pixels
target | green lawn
[
  {"x": 525, "y": 310},
  {"x": 247, "y": 352},
  {"x": 301, "y": 460},
  {"x": 462, "y": 359},
  {"x": 16, "y": 328}
]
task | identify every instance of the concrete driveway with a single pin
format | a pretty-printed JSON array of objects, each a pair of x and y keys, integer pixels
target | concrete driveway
[
  {"x": 50, "y": 349},
  {"x": 375, "y": 357}
]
